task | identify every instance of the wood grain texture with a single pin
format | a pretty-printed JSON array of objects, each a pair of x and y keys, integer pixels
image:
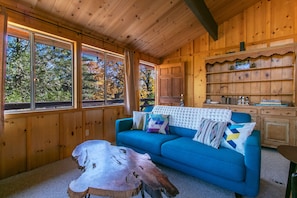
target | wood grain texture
[
  {"x": 152, "y": 27},
  {"x": 115, "y": 171}
]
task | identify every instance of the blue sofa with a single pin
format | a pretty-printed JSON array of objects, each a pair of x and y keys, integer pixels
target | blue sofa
[{"x": 223, "y": 167}]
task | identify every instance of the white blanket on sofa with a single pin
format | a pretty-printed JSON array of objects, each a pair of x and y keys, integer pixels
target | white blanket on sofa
[{"x": 190, "y": 117}]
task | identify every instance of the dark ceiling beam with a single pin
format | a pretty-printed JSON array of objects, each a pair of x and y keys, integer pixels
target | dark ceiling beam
[{"x": 203, "y": 14}]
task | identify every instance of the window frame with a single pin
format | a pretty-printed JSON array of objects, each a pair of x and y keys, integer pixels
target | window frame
[
  {"x": 94, "y": 50},
  {"x": 33, "y": 33}
]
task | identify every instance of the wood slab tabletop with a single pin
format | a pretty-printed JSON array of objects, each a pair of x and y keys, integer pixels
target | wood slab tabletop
[{"x": 116, "y": 172}]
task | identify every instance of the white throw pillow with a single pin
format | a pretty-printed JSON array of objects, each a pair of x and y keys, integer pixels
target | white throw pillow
[
  {"x": 139, "y": 120},
  {"x": 210, "y": 132},
  {"x": 236, "y": 134}
]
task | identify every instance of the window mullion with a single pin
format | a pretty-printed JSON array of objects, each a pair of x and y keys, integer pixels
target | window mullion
[
  {"x": 105, "y": 86},
  {"x": 32, "y": 72}
]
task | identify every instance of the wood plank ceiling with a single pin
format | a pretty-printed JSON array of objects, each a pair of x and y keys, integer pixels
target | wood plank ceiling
[{"x": 154, "y": 27}]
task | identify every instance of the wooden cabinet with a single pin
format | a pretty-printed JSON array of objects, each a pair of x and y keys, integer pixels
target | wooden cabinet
[
  {"x": 277, "y": 131},
  {"x": 277, "y": 124}
]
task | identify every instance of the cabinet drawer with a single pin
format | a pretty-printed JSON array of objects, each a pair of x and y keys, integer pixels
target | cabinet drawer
[
  {"x": 245, "y": 110},
  {"x": 278, "y": 112}
]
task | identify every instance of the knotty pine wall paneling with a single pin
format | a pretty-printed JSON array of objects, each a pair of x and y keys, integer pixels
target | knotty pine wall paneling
[
  {"x": 282, "y": 18},
  {"x": 199, "y": 80},
  {"x": 93, "y": 124},
  {"x": 111, "y": 114},
  {"x": 35, "y": 139},
  {"x": 201, "y": 46},
  {"x": 13, "y": 147},
  {"x": 70, "y": 132},
  {"x": 257, "y": 27},
  {"x": 234, "y": 30},
  {"x": 187, "y": 57},
  {"x": 266, "y": 23},
  {"x": 43, "y": 141}
]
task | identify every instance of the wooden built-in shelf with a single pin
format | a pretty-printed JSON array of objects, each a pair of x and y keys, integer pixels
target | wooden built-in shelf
[
  {"x": 250, "y": 69},
  {"x": 251, "y": 81},
  {"x": 274, "y": 76},
  {"x": 243, "y": 55},
  {"x": 243, "y": 94}
]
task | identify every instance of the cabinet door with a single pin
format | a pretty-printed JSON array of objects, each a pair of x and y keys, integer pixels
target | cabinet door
[
  {"x": 13, "y": 147},
  {"x": 70, "y": 132},
  {"x": 43, "y": 141},
  {"x": 93, "y": 128},
  {"x": 277, "y": 131}
]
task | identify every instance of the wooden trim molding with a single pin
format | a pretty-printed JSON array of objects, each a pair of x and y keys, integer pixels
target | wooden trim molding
[
  {"x": 3, "y": 30},
  {"x": 280, "y": 50}
]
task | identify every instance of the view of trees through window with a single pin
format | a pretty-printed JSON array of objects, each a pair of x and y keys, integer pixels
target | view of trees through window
[
  {"x": 103, "y": 77},
  {"x": 40, "y": 74},
  {"x": 39, "y": 71},
  {"x": 147, "y": 85}
]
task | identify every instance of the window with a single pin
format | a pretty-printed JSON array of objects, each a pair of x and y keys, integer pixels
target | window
[
  {"x": 147, "y": 78},
  {"x": 103, "y": 77},
  {"x": 39, "y": 71}
]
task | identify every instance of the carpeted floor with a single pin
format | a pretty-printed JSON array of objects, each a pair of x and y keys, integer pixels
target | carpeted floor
[{"x": 51, "y": 181}]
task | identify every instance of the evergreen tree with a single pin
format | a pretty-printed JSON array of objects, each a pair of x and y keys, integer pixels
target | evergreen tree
[
  {"x": 17, "y": 82},
  {"x": 93, "y": 78},
  {"x": 53, "y": 70}
]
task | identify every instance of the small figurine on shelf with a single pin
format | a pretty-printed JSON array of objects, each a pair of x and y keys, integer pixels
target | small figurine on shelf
[
  {"x": 223, "y": 100},
  {"x": 253, "y": 65},
  {"x": 247, "y": 101},
  {"x": 243, "y": 100},
  {"x": 182, "y": 100},
  {"x": 239, "y": 100}
]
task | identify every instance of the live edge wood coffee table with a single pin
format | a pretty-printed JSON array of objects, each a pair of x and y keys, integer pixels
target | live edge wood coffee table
[{"x": 116, "y": 172}]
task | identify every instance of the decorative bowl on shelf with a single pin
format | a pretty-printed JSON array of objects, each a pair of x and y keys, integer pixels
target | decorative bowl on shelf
[{"x": 214, "y": 102}]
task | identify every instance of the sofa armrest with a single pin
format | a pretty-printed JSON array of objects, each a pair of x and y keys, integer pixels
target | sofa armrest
[
  {"x": 253, "y": 161},
  {"x": 123, "y": 124}
]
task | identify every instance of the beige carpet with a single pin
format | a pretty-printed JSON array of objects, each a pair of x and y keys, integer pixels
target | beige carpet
[{"x": 51, "y": 181}]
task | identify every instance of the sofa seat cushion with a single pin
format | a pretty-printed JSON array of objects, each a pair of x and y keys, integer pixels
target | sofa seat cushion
[
  {"x": 223, "y": 162},
  {"x": 150, "y": 142}
]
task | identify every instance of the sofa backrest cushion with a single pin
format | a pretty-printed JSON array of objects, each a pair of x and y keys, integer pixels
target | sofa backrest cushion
[
  {"x": 181, "y": 131},
  {"x": 190, "y": 117},
  {"x": 240, "y": 117}
]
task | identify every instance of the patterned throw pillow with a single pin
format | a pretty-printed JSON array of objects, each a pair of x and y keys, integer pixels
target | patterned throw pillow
[
  {"x": 139, "y": 120},
  {"x": 158, "y": 123},
  {"x": 210, "y": 132},
  {"x": 236, "y": 134}
]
